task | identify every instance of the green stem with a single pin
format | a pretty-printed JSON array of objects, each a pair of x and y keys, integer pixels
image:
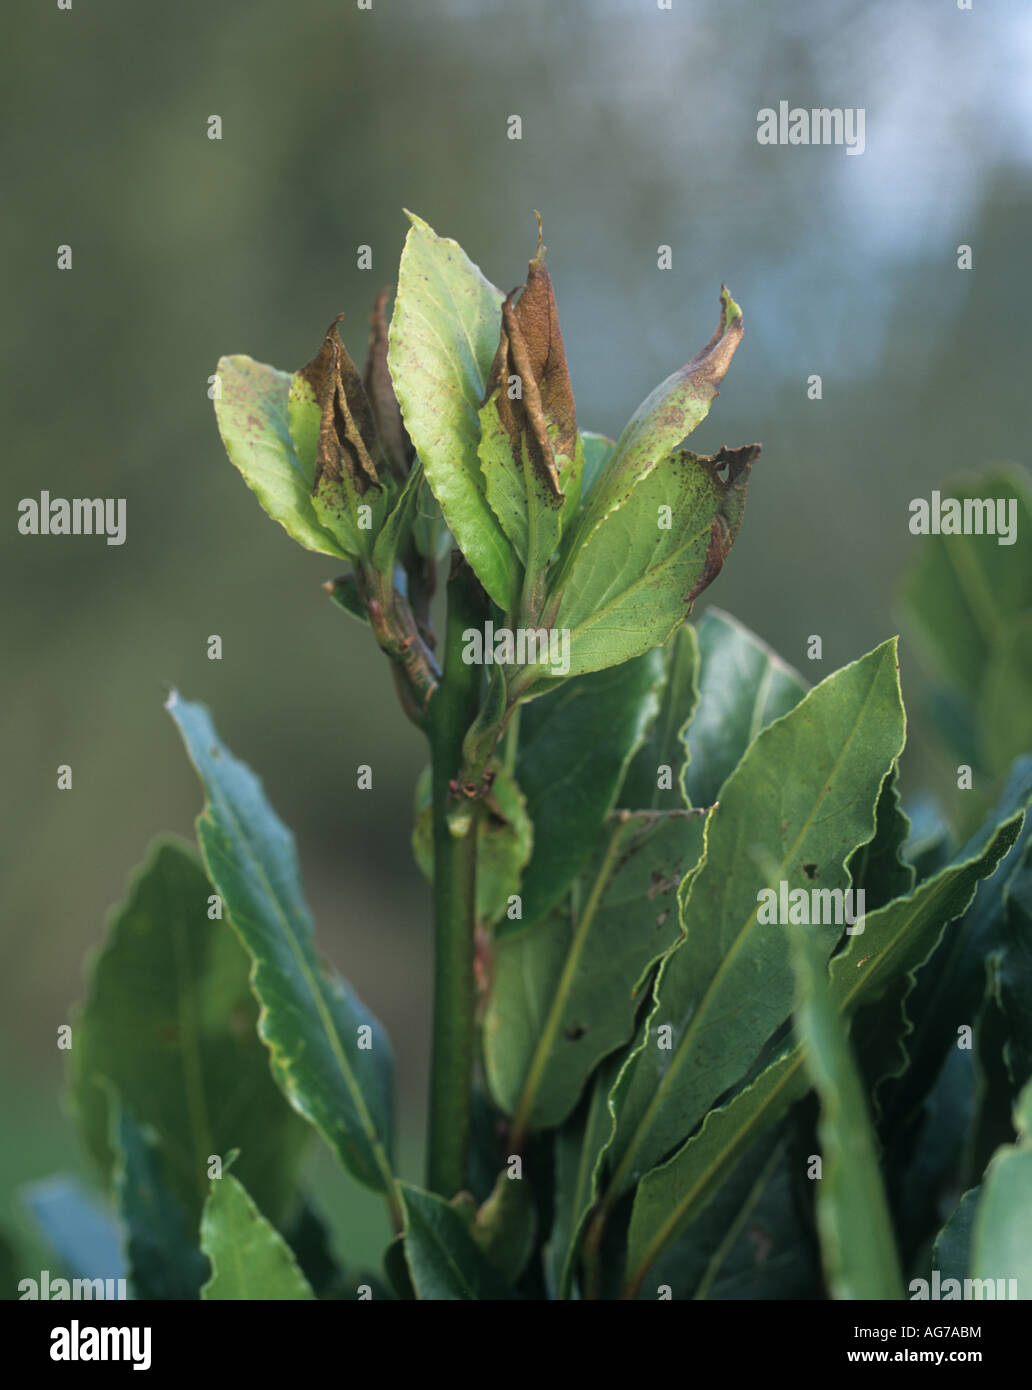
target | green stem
[{"x": 453, "y": 708}]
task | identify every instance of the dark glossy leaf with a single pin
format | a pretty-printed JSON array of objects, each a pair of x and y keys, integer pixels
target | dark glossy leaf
[
  {"x": 574, "y": 747},
  {"x": 329, "y": 1056},
  {"x": 743, "y": 687},
  {"x": 170, "y": 1022}
]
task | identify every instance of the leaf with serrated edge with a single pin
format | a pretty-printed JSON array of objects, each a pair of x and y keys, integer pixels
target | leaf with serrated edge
[
  {"x": 565, "y": 989},
  {"x": 443, "y": 337},
  {"x": 633, "y": 580},
  {"x": 896, "y": 941},
  {"x": 860, "y": 1255},
  {"x": 574, "y": 747},
  {"x": 310, "y": 1021},
  {"x": 251, "y": 411},
  {"x": 663, "y": 749},
  {"x": 250, "y": 1260},
  {"x": 793, "y": 811},
  {"x": 743, "y": 686}
]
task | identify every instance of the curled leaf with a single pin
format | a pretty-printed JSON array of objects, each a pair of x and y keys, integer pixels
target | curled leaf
[{"x": 379, "y": 389}]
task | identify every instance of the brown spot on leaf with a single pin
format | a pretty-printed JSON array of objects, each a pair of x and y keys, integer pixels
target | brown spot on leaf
[
  {"x": 575, "y": 1031},
  {"x": 348, "y": 443},
  {"x": 531, "y": 348},
  {"x": 810, "y": 870},
  {"x": 379, "y": 389}
]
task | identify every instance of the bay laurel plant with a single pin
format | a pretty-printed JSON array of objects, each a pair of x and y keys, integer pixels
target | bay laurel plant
[{"x": 703, "y": 998}]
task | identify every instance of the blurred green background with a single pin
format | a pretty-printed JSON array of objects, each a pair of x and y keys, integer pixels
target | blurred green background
[{"x": 639, "y": 129}]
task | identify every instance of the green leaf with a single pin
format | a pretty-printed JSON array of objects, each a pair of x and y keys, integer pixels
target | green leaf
[
  {"x": 949, "y": 988},
  {"x": 1010, "y": 972},
  {"x": 574, "y": 747},
  {"x": 164, "y": 1260},
  {"x": 252, "y": 415},
  {"x": 1001, "y": 1242},
  {"x": 443, "y": 337},
  {"x": 631, "y": 580},
  {"x": 170, "y": 1022},
  {"x": 965, "y": 589},
  {"x": 565, "y": 989},
  {"x": 1005, "y": 712},
  {"x": 579, "y": 1146},
  {"x": 249, "y": 1258},
  {"x": 743, "y": 687},
  {"x": 878, "y": 866},
  {"x": 792, "y": 813},
  {"x": 860, "y": 1257},
  {"x": 505, "y": 1227},
  {"x": 598, "y": 450},
  {"x": 504, "y": 838},
  {"x": 653, "y": 779},
  {"x": 896, "y": 940},
  {"x": 951, "y": 1252},
  {"x": 666, "y": 416},
  {"x": 312, "y": 1023},
  {"x": 344, "y": 592},
  {"x": 444, "y": 1261}
]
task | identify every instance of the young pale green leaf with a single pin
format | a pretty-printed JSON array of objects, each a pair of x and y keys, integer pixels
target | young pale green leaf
[
  {"x": 504, "y": 838},
  {"x": 170, "y": 1022},
  {"x": 743, "y": 686},
  {"x": 895, "y": 942},
  {"x": 1001, "y": 1241},
  {"x": 632, "y": 579},
  {"x": 574, "y": 747},
  {"x": 329, "y": 1056},
  {"x": 859, "y": 1248},
  {"x": 965, "y": 589},
  {"x": 443, "y": 337},
  {"x": 444, "y": 1261},
  {"x": 161, "y": 1244},
  {"x": 653, "y": 780},
  {"x": 252, "y": 415},
  {"x": 566, "y": 988},
  {"x": 666, "y": 417},
  {"x": 951, "y": 1252},
  {"x": 789, "y": 817},
  {"x": 250, "y": 1260}
]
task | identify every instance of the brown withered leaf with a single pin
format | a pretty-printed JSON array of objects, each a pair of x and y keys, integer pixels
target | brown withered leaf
[
  {"x": 379, "y": 388},
  {"x": 730, "y": 469},
  {"x": 348, "y": 441},
  {"x": 531, "y": 347}
]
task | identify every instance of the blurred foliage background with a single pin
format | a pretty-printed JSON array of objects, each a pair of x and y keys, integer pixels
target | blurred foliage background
[{"x": 639, "y": 129}]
